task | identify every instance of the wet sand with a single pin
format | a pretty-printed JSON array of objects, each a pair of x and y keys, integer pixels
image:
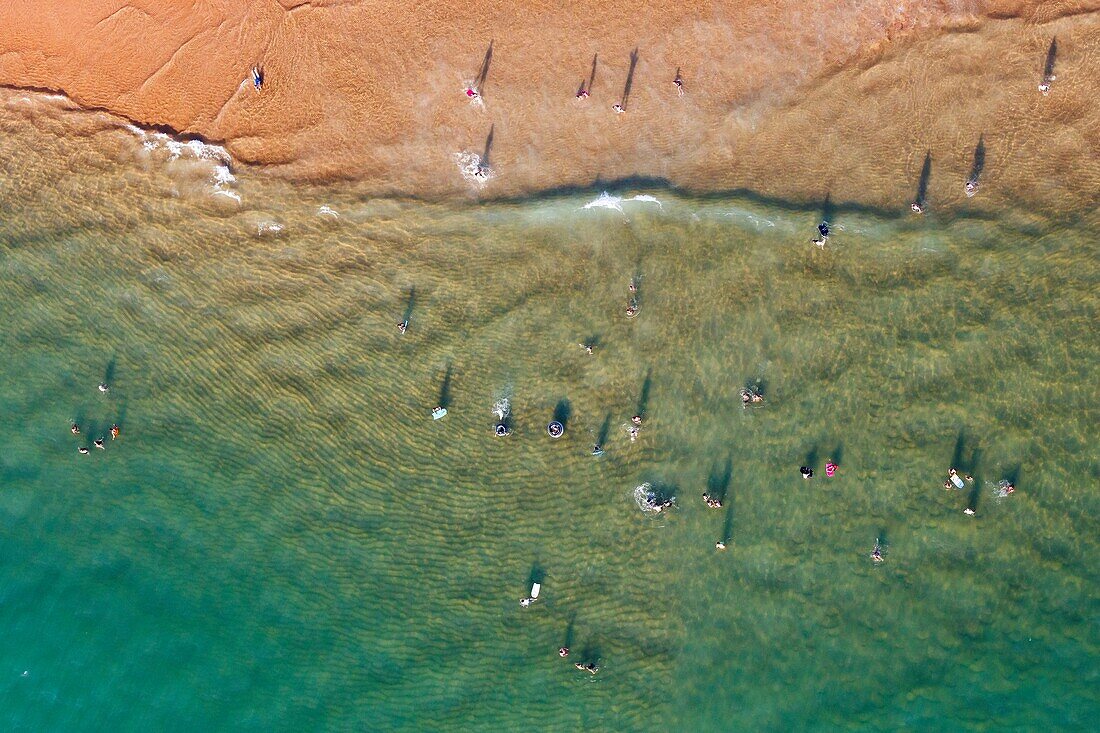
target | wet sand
[{"x": 795, "y": 102}]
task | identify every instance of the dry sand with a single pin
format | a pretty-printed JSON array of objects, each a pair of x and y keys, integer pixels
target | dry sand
[{"x": 789, "y": 98}]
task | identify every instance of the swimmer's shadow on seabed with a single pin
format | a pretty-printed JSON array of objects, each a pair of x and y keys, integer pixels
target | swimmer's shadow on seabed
[
  {"x": 1052, "y": 56},
  {"x": 109, "y": 371},
  {"x": 570, "y": 632},
  {"x": 979, "y": 161},
  {"x": 537, "y": 574},
  {"x": 605, "y": 430},
  {"x": 488, "y": 147},
  {"x": 483, "y": 73},
  {"x": 410, "y": 304},
  {"x": 445, "y": 388},
  {"x": 629, "y": 78},
  {"x": 563, "y": 411},
  {"x": 813, "y": 457},
  {"x": 718, "y": 482},
  {"x": 591, "y": 78},
  {"x": 922, "y": 185},
  {"x": 643, "y": 397}
]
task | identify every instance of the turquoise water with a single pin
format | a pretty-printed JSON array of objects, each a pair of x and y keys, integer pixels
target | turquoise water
[{"x": 283, "y": 539}]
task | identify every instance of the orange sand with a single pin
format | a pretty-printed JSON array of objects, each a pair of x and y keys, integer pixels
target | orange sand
[{"x": 787, "y": 97}]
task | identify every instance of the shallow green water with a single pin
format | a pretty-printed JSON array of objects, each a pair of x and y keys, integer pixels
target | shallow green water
[{"x": 283, "y": 539}]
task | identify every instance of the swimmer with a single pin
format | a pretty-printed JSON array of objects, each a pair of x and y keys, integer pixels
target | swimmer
[
  {"x": 971, "y": 187},
  {"x": 502, "y": 430},
  {"x": 555, "y": 429},
  {"x": 619, "y": 109},
  {"x": 587, "y": 667},
  {"x": 876, "y": 553},
  {"x": 403, "y": 327},
  {"x": 719, "y": 545},
  {"x": 916, "y": 208},
  {"x": 953, "y": 477},
  {"x": 823, "y": 229},
  {"x": 679, "y": 83},
  {"x": 633, "y": 286},
  {"x": 633, "y": 434},
  {"x": 525, "y": 602},
  {"x": 807, "y": 472},
  {"x": 746, "y": 396},
  {"x": 589, "y": 349},
  {"x": 1005, "y": 488},
  {"x": 947, "y": 484},
  {"x": 597, "y": 450},
  {"x": 115, "y": 431},
  {"x": 757, "y": 397},
  {"x": 637, "y": 419},
  {"x": 75, "y": 429},
  {"x": 631, "y": 310},
  {"x": 104, "y": 388},
  {"x": 563, "y": 651},
  {"x": 82, "y": 450},
  {"x": 830, "y": 468},
  {"x": 98, "y": 442}
]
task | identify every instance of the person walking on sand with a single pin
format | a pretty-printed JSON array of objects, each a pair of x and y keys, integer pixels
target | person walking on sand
[{"x": 679, "y": 82}]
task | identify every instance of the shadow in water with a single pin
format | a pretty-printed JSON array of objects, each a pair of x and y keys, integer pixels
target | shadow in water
[
  {"x": 629, "y": 78},
  {"x": 605, "y": 430},
  {"x": 828, "y": 211},
  {"x": 488, "y": 146},
  {"x": 563, "y": 411},
  {"x": 965, "y": 456},
  {"x": 812, "y": 458},
  {"x": 1012, "y": 475},
  {"x": 1052, "y": 56},
  {"x": 409, "y": 305},
  {"x": 974, "y": 496},
  {"x": 922, "y": 185},
  {"x": 727, "y": 525},
  {"x": 570, "y": 633},
  {"x": 718, "y": 483},
  {"x": 759, "y": 385},
  {"x": 837, "y": 455},
  {"x": 109, "y": 372},
  {"x": 537, "y": 574},
  {"x": 590, "y": 654},
  {"x": 483, "y": 74},
  {"x": 979, "y": 161},
  {"x": 643, "y": 398},
  {"x": 445, "y": 388}
]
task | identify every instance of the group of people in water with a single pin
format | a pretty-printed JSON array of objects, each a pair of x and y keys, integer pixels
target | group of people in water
[{"x": 100, "y": 443}]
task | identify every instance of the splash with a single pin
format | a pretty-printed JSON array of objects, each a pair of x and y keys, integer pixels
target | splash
[
  {"x": 649, "y": 500},
  {"x": 171, "y": 149},
  {"x": 472, "y": 169},
  {"x": 607, "y": 201},
  {"x": 268, "y": 227}
]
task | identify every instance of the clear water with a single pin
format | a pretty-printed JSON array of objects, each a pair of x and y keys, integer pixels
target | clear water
[{"x": 283, "y": 539}]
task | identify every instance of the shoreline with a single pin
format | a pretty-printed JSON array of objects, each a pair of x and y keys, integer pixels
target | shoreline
[{"x": 853, "y": 129}]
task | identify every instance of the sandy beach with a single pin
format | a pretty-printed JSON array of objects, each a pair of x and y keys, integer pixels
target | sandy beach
[{"x": 787, "y": 99}]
